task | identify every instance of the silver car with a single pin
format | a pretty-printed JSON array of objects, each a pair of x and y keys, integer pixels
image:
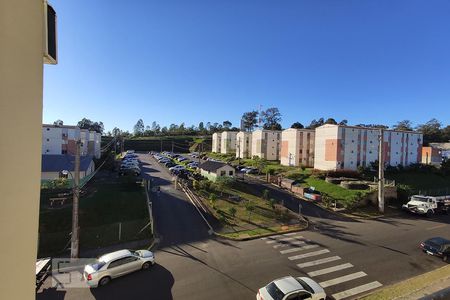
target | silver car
[{"x": 116, "y": 264}]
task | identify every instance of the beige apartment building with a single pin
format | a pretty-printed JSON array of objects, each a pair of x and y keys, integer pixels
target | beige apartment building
[
  {"x": 23, "y": 49},
  {"x": 228, "y": 142},
  {"x": 266, "y": 144},
  {"x": 297, "y": 147},
  {"x": 339, "y": 147},
  {"x": 216, "y": 142},
  {"x": 244, "y": 144}
]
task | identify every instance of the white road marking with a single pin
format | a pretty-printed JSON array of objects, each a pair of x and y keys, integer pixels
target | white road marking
[
  {"x": 298, "y": 249},
  {"x": 357, "y": 290},
  {"x": 330, "y": 270},
  {"x": 283, "y": 240},
  {"x": 290, "y": 234},
  {"x": 342, "y": 279},
  {"x": 309, "y": 254},
  {"x": 296, "y": 243},
  {"x": 318, "y": 262}
]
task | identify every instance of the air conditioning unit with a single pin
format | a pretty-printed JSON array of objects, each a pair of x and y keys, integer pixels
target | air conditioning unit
[{"x": 50, "y": 37}]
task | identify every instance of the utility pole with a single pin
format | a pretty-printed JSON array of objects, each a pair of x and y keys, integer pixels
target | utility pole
[
  {"x": 290, "y": 158},
  {"x": 381, "y": 172},
  {"x": 161, "y": 144},
  {"x": 74, "y": 248},
  {"x": 122, "y": 146},
  {"x": 172, "y": 146}
]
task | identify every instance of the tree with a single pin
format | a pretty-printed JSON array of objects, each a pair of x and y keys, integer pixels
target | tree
[
  {"x": 403, "y": 125},
  {"x": 116, "y": 131},
  {"x": 259, "y": 163},
  {"x": 212, "y": 199},
  {"x": 343, "y": 122},
  {"x": 250, "y": 119},
  {"x": 58, "y": 122},
  {"x": 91, "y": 126},
  {"x": 138, "y": 128},
  {"x": 297, "y": 125},
  {"x": 249, "y": 207},
  {"x": 446, "y": 133},
  {"x": 201, "y": 127},
  {"x": 227, "y": 124},
  {"x": 271, "y": 118},
  {"x": 232, "y": 211},
  {"x": 316, "y": 123},
  {"x": 223, "y": 182},
  {"x": 331, "y": 121},
  {"x": 431, "y": 131}
]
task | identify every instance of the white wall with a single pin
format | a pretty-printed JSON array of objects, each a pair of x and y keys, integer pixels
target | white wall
[
  {"x": 228, "y": 142},
  {"x": 51, "y": 140},
  {"x": 244, "y": 144},
  {"x": 266, "y": 144},
  {"x": 216, "y": 142}
]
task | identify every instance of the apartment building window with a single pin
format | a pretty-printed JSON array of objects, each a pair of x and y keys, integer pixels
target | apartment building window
[
  {"x": 48, "y": 129},
  {"x": 63, "y": 151}
]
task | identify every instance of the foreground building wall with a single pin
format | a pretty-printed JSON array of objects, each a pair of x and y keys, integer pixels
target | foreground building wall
[
  {"x": 346, "y": 147},
  {"x": 21, "y": 84},
  {"x": 297, "y": 147},
  {"x": 266, "y": 144},
  {"x": 244, "y": 144},
  {"x": 228, "y": 142}
]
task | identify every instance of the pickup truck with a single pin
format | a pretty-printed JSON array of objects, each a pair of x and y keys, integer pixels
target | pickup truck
[{"x": 427, "y": 205}]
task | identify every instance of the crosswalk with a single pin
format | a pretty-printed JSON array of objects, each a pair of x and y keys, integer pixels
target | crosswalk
[{"x": 318, "y": 262}]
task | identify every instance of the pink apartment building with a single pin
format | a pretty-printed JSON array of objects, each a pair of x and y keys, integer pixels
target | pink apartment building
[{"x": 339, "y": 147}]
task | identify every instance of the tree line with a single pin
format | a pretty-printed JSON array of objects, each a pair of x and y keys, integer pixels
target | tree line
[{"x": 433, "y": 130}]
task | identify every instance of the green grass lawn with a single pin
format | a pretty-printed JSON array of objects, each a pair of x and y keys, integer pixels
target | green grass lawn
[
  {"x": 106, "y": 208},
  {"x": 263, "y": 218}
]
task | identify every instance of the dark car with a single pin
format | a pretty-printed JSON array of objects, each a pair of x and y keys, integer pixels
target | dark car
[
  {"x": 169, "y": 164},
  {"x": 437, "y": 246}
]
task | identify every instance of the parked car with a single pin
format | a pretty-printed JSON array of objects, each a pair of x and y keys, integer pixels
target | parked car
[
  {"x": 130, "y": 171},
  {"x": 437, "y": 246},
  {"x": 177, "y": 167},
  {"x": 116, "y": 264},
  {"x": 181, "y": 158},
  {"x": 169, "y": 164},
  {"x": 291, "y": 288}
]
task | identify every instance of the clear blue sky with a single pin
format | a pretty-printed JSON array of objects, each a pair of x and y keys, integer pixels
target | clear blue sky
[{"x": 191, "y": 61}]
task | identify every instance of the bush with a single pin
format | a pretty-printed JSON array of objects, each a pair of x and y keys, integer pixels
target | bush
[{"x": 232, "y": 211}]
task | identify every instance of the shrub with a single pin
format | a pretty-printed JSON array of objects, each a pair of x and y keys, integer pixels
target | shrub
[
  {"x": 232, "y": 211},
  {"x": 212, "y": 199},
  {"x": 272, "y": 202}
]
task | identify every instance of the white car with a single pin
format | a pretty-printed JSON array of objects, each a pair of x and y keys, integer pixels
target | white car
[
  {"x": 116, "y": 264},
  {"x": 177, "y": 167},
  {"x": 288, "y": 288}
]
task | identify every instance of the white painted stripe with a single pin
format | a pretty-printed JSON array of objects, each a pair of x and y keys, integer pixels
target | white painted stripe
[
  {"x": 318, "y": 262},
  {"x": 342, "y": 279},
  {"x": 357, "y": 290},
  {"x": 290, "y": 234},
  {"x": 309, "y": 254},
  {"x": 298, "y": 249},
  {"x": 292, "y": 244},
  {"x": 284, "y": 240},
  {"x": 330, "y": 270}
]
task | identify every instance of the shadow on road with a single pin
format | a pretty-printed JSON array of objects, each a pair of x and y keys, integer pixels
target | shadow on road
[
  {"x": 155, "y": 283},
  {"x": 51, "y": 293}
]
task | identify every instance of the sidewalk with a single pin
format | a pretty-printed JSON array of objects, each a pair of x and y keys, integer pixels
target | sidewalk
[{"x": 431, "y": 285}]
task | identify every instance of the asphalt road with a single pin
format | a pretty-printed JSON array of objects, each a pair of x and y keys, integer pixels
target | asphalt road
[{"x": 343, "y": 254}]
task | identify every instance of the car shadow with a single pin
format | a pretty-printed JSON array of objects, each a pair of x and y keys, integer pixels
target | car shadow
[
  {"x": 155, "y": 283},
  {"x": 51, "y": 293}
]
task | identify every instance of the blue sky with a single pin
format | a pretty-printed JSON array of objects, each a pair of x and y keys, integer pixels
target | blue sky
[{"x": 191, "y": 61}]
